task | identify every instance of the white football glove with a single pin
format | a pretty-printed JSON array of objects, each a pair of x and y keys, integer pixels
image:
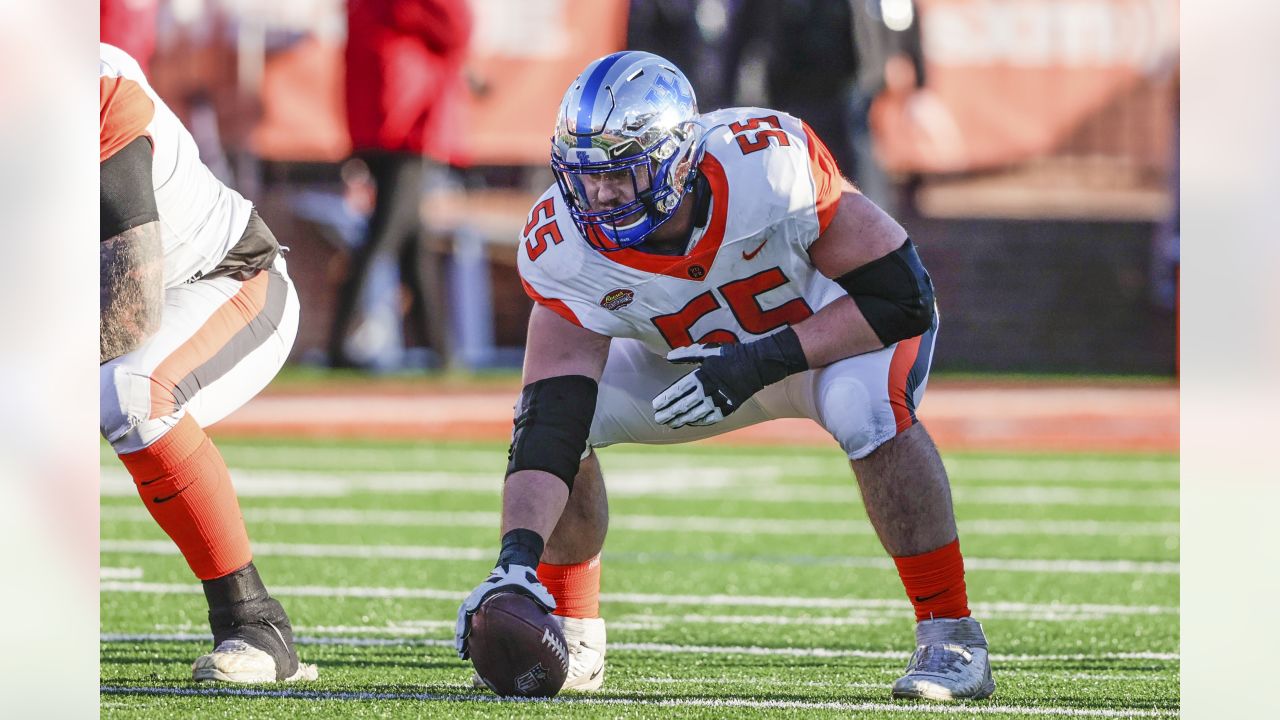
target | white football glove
[
  {"x": 687, "y": 401},
  {"x": 511, "y": 578},
  {"x": 726, "y": 378}
]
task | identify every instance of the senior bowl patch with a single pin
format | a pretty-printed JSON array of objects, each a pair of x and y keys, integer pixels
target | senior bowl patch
[{"x": 617, "y": 299}]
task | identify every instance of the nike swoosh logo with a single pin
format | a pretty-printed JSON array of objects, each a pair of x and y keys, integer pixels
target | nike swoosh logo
[
  {"x": 749, "y": 255},
  {"x": 145, "y": 483},
  {"x": 167, "y": 498},
  {"x": 927, "y": 599}
]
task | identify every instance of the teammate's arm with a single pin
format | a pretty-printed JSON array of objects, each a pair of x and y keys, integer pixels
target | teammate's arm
[
  {"x": 130, "y": 255},
  {"x": 562, "y": 365}
]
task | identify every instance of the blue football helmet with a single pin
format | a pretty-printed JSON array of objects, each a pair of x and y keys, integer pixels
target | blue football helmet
[{"x": 626, "y": 147}]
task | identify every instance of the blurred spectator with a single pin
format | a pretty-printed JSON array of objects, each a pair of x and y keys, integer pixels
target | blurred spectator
[
  {"x": 688, "y": 33},
  {"x": 825, "y": 61},
  {"x": 403, "y": 88},
  {"x": 890, "y": 58},
  {"x": 809, "y": 63},
  {"x": 131, "y": 26}
]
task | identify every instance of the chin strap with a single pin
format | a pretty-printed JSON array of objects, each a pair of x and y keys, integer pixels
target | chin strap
[{"x": 701, "y": 192}]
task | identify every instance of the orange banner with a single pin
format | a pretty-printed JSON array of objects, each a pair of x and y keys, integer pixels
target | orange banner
[
  {"x": 1010, "y": 79},
  {"x": 523, "y": 55}
]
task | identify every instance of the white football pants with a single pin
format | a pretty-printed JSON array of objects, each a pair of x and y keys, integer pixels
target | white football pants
[
  {"x": 863, "y": 401},
  {"x": 220, "y": 342}
]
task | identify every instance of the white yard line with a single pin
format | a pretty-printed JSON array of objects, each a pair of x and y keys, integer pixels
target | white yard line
[
  {"x": 651, "y": 600},
  {"x": 650, "y": 622},
  {"x": 659, "y": 701},
  {"x": 850, "y": 618},
  {"x": 120, "y": 573},
  {"x": 1087, "y": 528},
  {"x": 792, "y": 683},
  {"x": 1038, "y": 495},
  {"x": 758, "y": 484},
  {"x": 293, "y": 483},
  {"x": 427, "y": 552},
  {"x": 266, "y": 549},
  {"x": 1090, "y": 470},
  {"x": 667, "y": 648},
  {"x": 1042, "y": 470},
  {"x": 657, "y": 523}
]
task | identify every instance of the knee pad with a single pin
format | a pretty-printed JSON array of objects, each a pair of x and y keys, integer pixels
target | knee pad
[
  {"x": 850, "y": 413},
  {"x": 124, "y": 409},
  {"x": 124, "y": 400}
]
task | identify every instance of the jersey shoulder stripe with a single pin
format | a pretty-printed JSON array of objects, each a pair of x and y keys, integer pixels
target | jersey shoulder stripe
[
  {"x": 828, "y": 183},
  {"x": 779, "y": 149},
  {"x": 555, "y": 305},
  {"x": 124, "y": 115}
]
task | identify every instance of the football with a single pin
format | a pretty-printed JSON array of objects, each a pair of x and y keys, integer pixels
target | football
[{"x": 517, "y": 648}]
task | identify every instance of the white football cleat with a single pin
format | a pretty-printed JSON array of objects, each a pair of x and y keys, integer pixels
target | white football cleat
[
  {"x": 586, "y": 639},
  {"x": 950, "y": 662},
  {"x": 237, "y": 661}
]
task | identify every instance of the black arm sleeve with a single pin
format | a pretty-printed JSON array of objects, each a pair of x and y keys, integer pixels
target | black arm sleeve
[
  {"x": 552, "y": 423},
  {"x": 128, "y": 198}
]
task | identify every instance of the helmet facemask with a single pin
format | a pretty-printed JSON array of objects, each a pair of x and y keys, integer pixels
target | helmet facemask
[
  {"x": 625, "y": 148},
  {"x": 617, "y": 203}
]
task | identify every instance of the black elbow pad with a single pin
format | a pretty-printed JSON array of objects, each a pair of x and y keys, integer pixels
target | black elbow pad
[
  {"x": 894, "y": 293},
  {"x": 127, "y": 198}
]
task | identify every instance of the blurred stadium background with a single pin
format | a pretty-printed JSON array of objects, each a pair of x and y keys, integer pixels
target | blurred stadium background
[{"x": 1029, "y": 147}]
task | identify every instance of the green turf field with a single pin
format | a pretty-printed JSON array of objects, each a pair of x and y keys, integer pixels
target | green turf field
[{"x": 737, "y": 582}]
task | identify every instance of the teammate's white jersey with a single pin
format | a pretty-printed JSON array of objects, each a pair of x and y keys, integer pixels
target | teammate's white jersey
[
  {"x": 774, "y": 188},
  {"x": 200, "y": 218}
]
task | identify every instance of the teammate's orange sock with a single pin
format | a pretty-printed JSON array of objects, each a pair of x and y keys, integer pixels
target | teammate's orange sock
[
  {"x": 576, "y": 588},
  {"x": 185, "y": 485},
  {"x": 935, "y": 582}
]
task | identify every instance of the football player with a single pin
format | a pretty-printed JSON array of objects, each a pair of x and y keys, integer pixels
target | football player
[
  {"x": 197, "y": 315},
  {"x": 696, "y": 273}
]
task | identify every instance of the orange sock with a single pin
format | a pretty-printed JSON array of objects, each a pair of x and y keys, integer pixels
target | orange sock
[
  {"x": 935, "y": 582},
  {"x": 576, "y": 588},
  {"x": 185, "y": 485}
]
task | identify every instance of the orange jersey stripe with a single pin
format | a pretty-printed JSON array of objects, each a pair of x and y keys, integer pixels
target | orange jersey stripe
[
  {"x": 216, "y": 332},
  {"x": 556, "y": 306},
  {"x": 904, "y": 356},
  {"x": 124, "y": 113},
  {"x": 827, "y": 180}
]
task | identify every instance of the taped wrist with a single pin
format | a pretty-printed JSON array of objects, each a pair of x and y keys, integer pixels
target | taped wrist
[
  {"x": 743, "y": 369},
  {"x": 521, "y": 546},
  {"x": 894, "y": 293},
  {"x": 551, "y": 426},
  {"x": 776, "y": 356}
]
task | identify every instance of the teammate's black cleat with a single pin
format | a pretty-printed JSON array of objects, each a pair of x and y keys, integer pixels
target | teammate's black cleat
[{"x": 252, "y": 636}]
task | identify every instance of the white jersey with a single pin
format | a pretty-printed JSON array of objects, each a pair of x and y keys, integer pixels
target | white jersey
[
  {"x": 774, "y": 188},
  {"x": 200, "y": 218}
]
